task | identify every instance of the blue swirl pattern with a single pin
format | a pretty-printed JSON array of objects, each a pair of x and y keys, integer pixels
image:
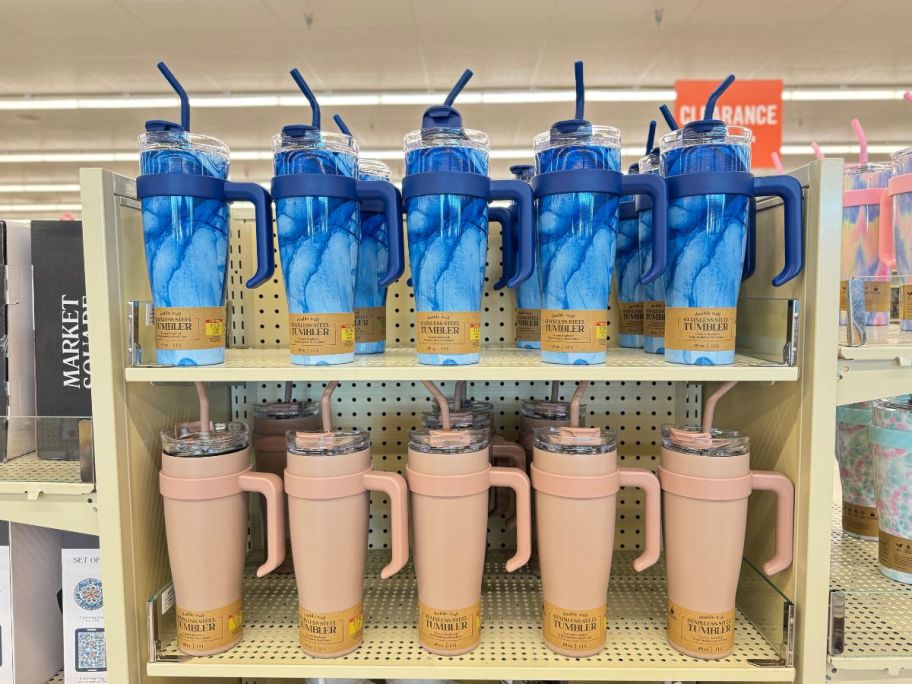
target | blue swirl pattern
[
  {"x": 318, "y": 243},
  {"x": 447, "y": 241},
  {"x": 577, "y": 240},
  {"x": 707, "y": 237},
  {"x": 186, "y": 243},
  {"x": 373, "y": 258},
  {"x": 628, "y": 269}
]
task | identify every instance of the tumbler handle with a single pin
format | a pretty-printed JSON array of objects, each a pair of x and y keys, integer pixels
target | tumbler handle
[
  {"x": 386, "y": 192},
  {"x": 885, "y": 247},
  {"x": 653, "y": 186},
  {"x": 516, "y": 456},
  {"x": 520, "y": 193},
  {"x": 750, "y": 248},
  {"x": 394, "y": 486},
  {"x": 261, "y": 200},
  {"x": 649, "y": 483},
  {"x": 518, "y": 481},
  {"x": 785, "y": 502},
  {"x": 501, "y": 215},
  {"x": 270, "y": 486},
  {"x": 789, "y": 190}
]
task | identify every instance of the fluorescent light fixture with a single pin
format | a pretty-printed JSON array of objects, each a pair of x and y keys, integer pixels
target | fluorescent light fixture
[
  {"x": 36, "y": 208},
  {"x": 38, "y": 187},
  {"x": 841, "y": 94}
]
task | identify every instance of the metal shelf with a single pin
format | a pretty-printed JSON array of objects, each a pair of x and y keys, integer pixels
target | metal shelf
[
  {"x": 511, "y": 644},
  {"x": 878, "y": 613},
  {"x": 882, "y": 367},
  {"x": 497, "y": 363},
  {"x": 57, "y": 678},
  {"x": 47, "y": 493}
]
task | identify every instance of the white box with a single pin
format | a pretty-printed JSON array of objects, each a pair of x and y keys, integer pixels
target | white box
[{"x": 84, "y": 656}]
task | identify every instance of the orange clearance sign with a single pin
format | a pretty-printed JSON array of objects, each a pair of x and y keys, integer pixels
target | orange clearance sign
[{"x": 754, "y": 104}]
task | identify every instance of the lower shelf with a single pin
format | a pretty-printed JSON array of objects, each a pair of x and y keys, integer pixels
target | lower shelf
[
  {"x": 511, "y": 645},
  {"x": 877, "y": 641},
  {"x": 57, "y": 678}
]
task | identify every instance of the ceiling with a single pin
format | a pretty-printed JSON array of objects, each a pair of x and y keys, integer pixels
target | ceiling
[{"x": 59, "y": 48}]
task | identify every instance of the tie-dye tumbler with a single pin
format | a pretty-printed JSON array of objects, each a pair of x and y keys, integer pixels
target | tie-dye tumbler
[
  {"x": 856, "y": 470},
  {"x": 896, "y": 210},
  {"x": 446, "y": 191},
  {"x": 185, "y": 196}
]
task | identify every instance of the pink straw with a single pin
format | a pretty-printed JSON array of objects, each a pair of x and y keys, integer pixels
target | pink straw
[
  {"x": 555, "y": 389},
  {"x": 459, "y": 394},
  {"x": 441, "y": 402},
  {"x": 575, "y": 402},
  {"x": 777, "y": 162},
  {"x": 862, "y": 141},
  {"x": 817, "y": 151},
  {"x": 908, "y": 95},
  {"x": 204, "y": 408},
  {"x": 324, "y": 405},
  {"x": 710, "y": 408}
]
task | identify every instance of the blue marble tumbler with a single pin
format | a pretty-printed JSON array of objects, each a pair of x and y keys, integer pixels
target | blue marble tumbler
[
  {"x": 318, "y": 246},
  {"x": 447, "y": 234},
  {"x": 186, "y": 239},
  {"x": 528, "y": 292},
  {"x": 628, "y": 269},
  {"x": 373, "y": 259},
  {"x": 577, "y": 235},
  {"x": 707, "y": 236},
  {"x": 654, "y": 292}
]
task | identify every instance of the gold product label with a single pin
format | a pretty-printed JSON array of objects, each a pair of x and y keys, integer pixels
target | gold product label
[
  {"x": 328, "y": 633},
  {"x": 654, "y": 318},
  {"x": 197, "y": 327},
  {"x": 579, "y": 330},
  {"x": 700, "y": 328},
  {"x": 843, "y": 295},
  {"x": 631, "y": 318},
  {"x": 202, "y": 631},
  {"x": 860, "y": 520},
  {"x": 876, "y": 296},
  {"x": 449, "y": 630},
  {"x": 711, "y": 634},
  {"x": 574, "y": 630},
  {"x": 448, "y": 332},
  {"x": 324, "y": 333},
  {"x": 370, "y": 324},
  {"x": 905, "y": 303},
  {"x": 528, "y": 325},
  {"x": 895, "y": 552}
]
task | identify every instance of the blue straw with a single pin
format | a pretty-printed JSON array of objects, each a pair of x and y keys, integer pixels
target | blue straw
[
  {"x": 181, "y": 93},
  {"x": 341, "y": 124},
  {"x": 715, "y": 95},
  {"x": 650, "y": 137},
  {"x": 460, "y": 84},
  {"x": 580, "y": 89},
  {"x": 308, "y": 93},
  {"x": 669, "y": 117}
]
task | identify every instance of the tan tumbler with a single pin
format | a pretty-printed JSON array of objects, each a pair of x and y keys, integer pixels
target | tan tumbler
[
  {"x": 449, "y": 475},
  {"x": 204, "y": 480},
  {"x": 706, "y": 481},
  {"x": 327, "y": 480},
  {"x": 576, "y": 481}
]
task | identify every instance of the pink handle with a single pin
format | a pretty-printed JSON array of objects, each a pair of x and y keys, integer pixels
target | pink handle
[
  {"x": 393, "y": 485},
  {"x": 270, "y": 486},
  {"x": 511, "y": 455},
  {"x": 518, "y": 481},
  {"x": 885, "y": 246},
  {"x": 785, "y": 503},
  {"x": 649, "y": 483}
]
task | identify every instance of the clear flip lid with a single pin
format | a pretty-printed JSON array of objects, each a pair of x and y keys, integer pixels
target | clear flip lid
[
  {"x": 185, "y": 439},
  {"x": 459, "y": 420},
  {"x": 373, "y": 169},
  {"x": 326, "y": 443},
  {"x": 691, "y": 439},
  {"x": 286, "y": 410},
  {"x": 549, "y": 410},
  {"x": 901, "y": 403},
  {"x": 570, "y": 440},
  {"x": 449, "y": 441}
]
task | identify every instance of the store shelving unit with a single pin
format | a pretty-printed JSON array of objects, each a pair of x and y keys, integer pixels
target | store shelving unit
[
  {"x": 881, "y": 367},
  {"x": 777, "y": 404}
]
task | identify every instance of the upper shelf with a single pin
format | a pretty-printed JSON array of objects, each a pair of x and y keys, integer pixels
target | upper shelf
[
  {"x": 497, "y": 363},
  {"x": 882, "y": 367}
]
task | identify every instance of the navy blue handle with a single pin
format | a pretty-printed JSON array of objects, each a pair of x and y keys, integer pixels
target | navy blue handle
[
  {"x": 750, "y": 249},
  {"x": 387, "y": 193},
  {"x": 262, "y": 205},
  {"x": 789, "y": 190},
  {"x": 653, "y": 186},
  {"x": 502, "y": 215},
  {"x": 520, "y": 193}
]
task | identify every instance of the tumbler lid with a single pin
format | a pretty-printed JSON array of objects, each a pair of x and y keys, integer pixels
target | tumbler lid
[
  {"x": 326, "y": 443},
  {"x": 459, "y": 420},
  {"x": 286, "y": 410},
  {"x": 523, "y": 171},
  {"x": 575, "y": 440},
  {"x": 549, "y": 410},
  {"x": 185, "y": 439},
  {"x": 446, "y": 115},
  {"x": 449, "y": 441},
  {"x": 901, "y": 403},
  {"x": 692, "y": 440},
  {"x": 157, "y": 125}
]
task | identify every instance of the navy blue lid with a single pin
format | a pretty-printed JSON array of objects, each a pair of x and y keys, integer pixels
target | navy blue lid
[
  {"x": 446, "y": 115},
  {"x": 519, "y": 169},
  {"x": 578, "y": 123},
  {"x": 159, "y": 125},
  {"x": 708, "y": 123},
  {"x": 633, "y": 168},
  {"x": 155, "y": 125}
]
